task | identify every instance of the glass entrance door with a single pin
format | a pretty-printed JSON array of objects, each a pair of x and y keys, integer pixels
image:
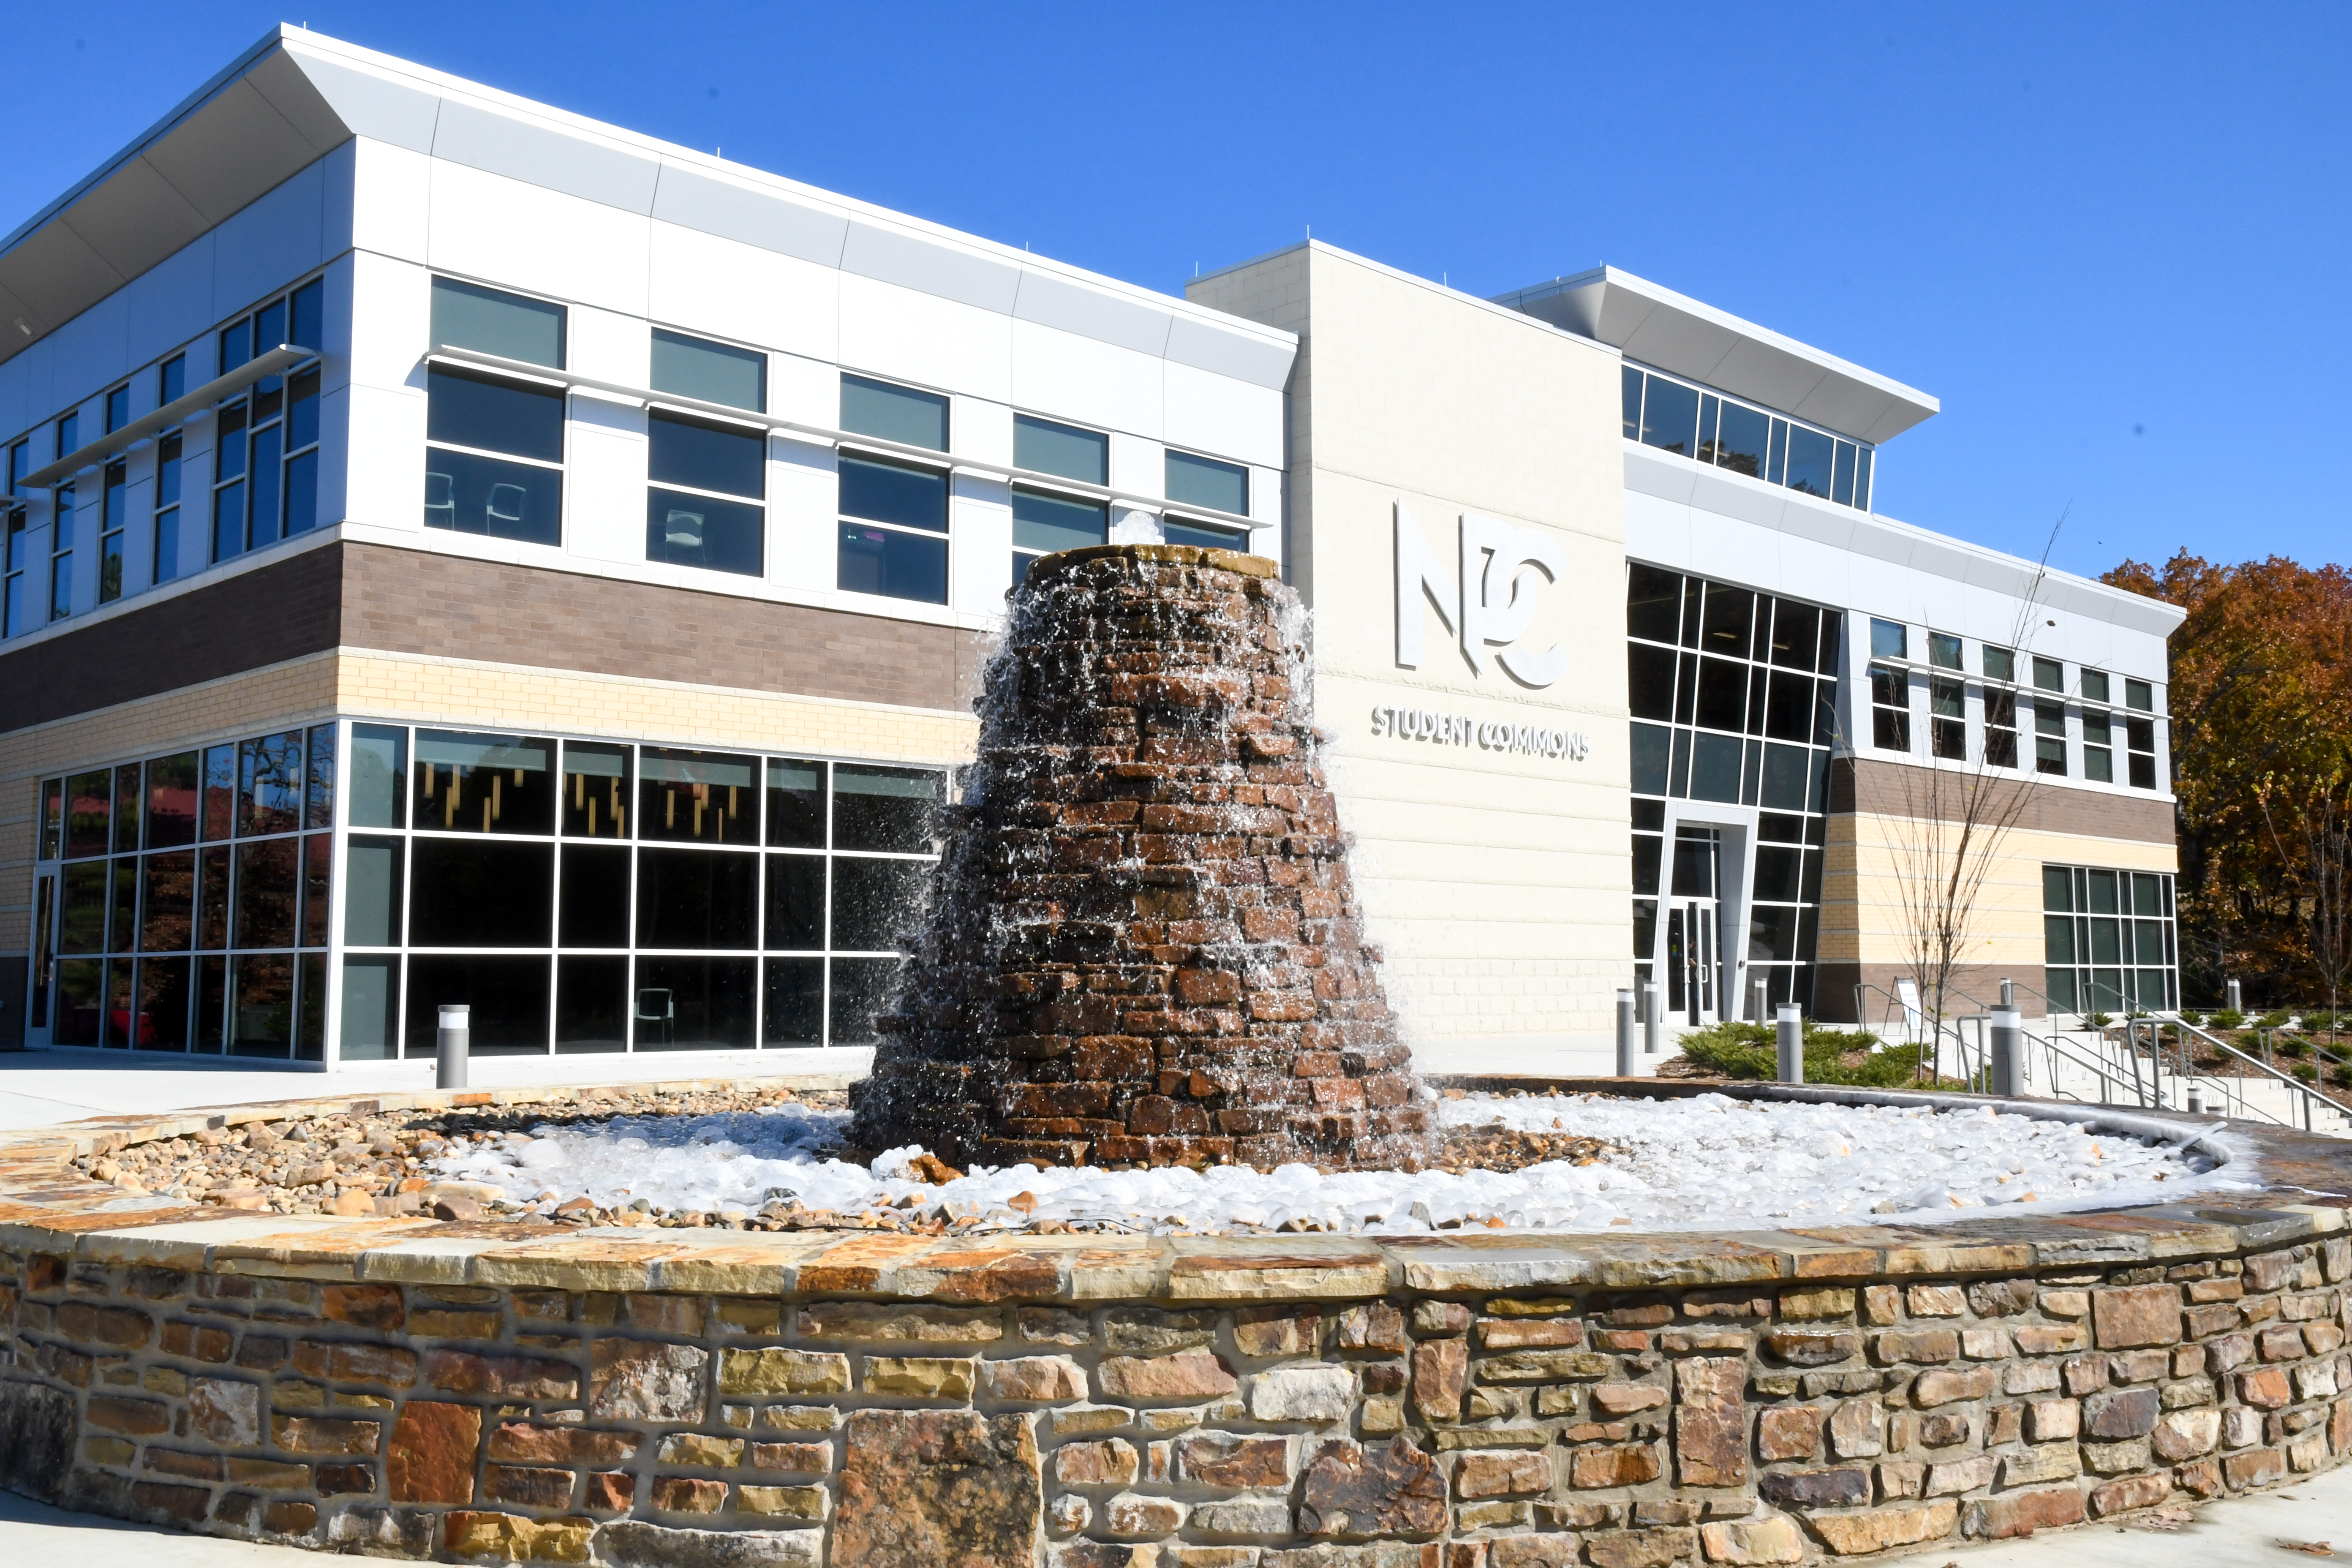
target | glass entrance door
[
  {"x": 45, "y": 909},
  {"x": 1693, "y": 917}
]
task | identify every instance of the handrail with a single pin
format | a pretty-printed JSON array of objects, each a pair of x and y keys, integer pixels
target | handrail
[{"x": 2302, "y": 1093}]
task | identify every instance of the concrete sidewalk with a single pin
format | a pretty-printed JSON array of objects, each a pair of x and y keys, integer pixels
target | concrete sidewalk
[
  {"x": 37, "y": 1088},
  {"x": 2251, "y": 1531}
]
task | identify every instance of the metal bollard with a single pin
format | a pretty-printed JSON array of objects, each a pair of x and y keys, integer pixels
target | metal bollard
[
  {"x": 1763, "y": 1000},
  {"x": 2008, "y": 992},
  {"x": 1625, "y": 1068},
  {"x": 1793, "y": 1044},
  {"x": 2237, "y": 1002},
  {"x": 2008, "y": 1053},
  {"x": 452, "y": 1046},
  {"x": 1650, "y": 1020}
]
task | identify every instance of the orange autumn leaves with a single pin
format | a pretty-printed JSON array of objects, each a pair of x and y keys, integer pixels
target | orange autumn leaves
[{"x": 2260, "y": 708}]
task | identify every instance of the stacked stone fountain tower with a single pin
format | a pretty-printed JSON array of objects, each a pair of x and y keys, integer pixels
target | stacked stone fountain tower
[{"x": 1142, "y": 946}]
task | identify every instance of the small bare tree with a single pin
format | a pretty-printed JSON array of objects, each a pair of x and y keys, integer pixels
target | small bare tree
[{"x": 1954, "y": 815}]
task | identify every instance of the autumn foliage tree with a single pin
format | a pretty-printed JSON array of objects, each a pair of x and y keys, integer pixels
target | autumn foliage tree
[{"x": 2260, "y": 708}]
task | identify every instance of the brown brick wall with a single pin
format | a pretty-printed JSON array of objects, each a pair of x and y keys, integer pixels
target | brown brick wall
[
  {"x": 1866, "y": 786},
  {"x": 416, "y": 601}
]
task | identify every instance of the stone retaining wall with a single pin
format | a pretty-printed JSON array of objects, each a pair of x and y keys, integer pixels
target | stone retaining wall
[{"x": 495, "y": 1392}]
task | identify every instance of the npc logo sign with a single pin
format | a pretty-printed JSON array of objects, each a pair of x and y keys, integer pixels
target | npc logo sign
[{"x": 1489, "y": 602}]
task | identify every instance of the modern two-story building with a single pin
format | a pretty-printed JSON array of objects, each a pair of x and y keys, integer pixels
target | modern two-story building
[{"x": 457, "y": 551}]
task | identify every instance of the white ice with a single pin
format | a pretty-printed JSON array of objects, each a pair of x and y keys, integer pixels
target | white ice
[{"x": 1708, "y": 1163}]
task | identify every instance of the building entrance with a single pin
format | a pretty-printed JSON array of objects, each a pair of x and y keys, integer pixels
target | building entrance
[{"x": 1694, "y": 919}]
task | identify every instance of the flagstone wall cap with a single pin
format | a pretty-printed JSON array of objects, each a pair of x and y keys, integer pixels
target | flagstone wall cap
[{"x": 2306, "y": 1185}]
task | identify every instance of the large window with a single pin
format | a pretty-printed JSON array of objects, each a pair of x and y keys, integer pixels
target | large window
[
  {"x": 1723, "y": 433},
  {"x": 265, "y": 437},
  {"x": 185, "y": 898},
  {"x": 494, "y": 445},
  {"x": 2108, "y": 940},
  {"x": 893, "y": 538},
  {"x": 114, "y": 504},
  {"x": 1734, "y": 699},
  {"x": 1044, "y": 522},
  {"x": 592, "y": 896},
  {"x": 61, "y": 538},
  {"x": 706, "y": 504}
]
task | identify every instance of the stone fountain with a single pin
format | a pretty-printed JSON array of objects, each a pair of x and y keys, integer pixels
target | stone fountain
[{"x": 1142, "y": 946}]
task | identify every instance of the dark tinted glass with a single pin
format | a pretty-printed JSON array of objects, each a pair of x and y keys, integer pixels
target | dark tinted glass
[
  {"x": 1832, "y": 642},
  {"x": 506, "y": 994},
  {"x": 1649, "y": 747},
  {"x": 1670, "y": 417},
  {"x": 1629, "y": 394},
  {"x": 795, "y": 804},
  {"x": 1202, "y": 536},
  {"x": 172, "y": 384},
  {"x": 1740, "y": 440},
  {"x": 595, "y": 908},
  {"x": 266, "y": 892},
  {"x": 1783, "y": 786},
  {"x": 235, "y": 344},
  {"x": 1722, "y": 694},
  {"x": 472, "y": 494},
  {"x": 269, "y": 784},
  {"x": 470, "y": 410},
  {"x": 211, "y": 897},
  {"x": 1796, "y": 633},
  {"x": 1771, "y": 932},
  {"x": 122, "y": 920},
  {"x": 886, "y": 808},
  {"x": 1045, "y": 447},
  {"x": 595, "y": 790},
  {"x": 318, "y": 886},
  {"x": 1649, "y": 681},
  {"x": 1841, "y": 487},
  {"x": 1779, "y": 874},
  {"x": 592, "y": 1002},
  {"x": 302, "y": 411},
  {"x": 795, "y": 919},
  {"x": 1652, "y": 602},
  {"x": 896, "y": 565},
  {"x": 89, "y": 806},
  {"x": 696, "y": 531},
  {"x": 1811, "y": 457},
  {"x": 261, "y": 1004},
  {"x": 1205, "y": 481},
  {"x": 319, "y": 776},
  {"x": 163, "y": 1017},
  {"x": 1645, "y": 862},
  {"x": 1714, "y": 768},
  {"x": 118, "y": 408},
  {"x": 861, "y": 990},
  {"x": 1772, "y": 827},
  {"x": 126, "y": 808},
  {"x": 1053, "y": 522},
  {"x": 371, "y": 1031},
  {"x": 168, "y": 910},
  {"x": 875, "y": 903},
  {"x": 707, "y": 797},
  {"x": 1730, "y": 612},
  {"x": 306, "y": 315},
  {"x": 698, "y": 898},
  {"x": 82, "y": 910},
  {"x": 476, "y": 892},
  {"x": 712, "y": 372},
  {"x": 695, "y": 1003},
  {"x": 894, "y": 413},
  {"x": 1649, "y": 815},
  {"x": 893, "y": 492},
  {"x": 794, "y": 1015},
  {"x": 1789, "y": 713},
  {"x": 705, "y": 456},
  {"x": 484, "y": 784}
]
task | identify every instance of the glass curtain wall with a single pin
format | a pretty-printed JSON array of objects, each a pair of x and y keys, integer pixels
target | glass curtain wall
[
  {"x": 597, "y": 895},
  {"x": 191, "y": 905},
  {"x": 1734, "y": 700},
  {"x": 2108, "y": 942}
]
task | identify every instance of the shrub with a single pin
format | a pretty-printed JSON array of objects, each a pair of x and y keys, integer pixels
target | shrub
[
  {"x": 2292, "y": 1046},
  {"x": 2228, "y": 1018},
  {"x": 2308, "y": 1071},
  {"x": 1752, "y": 1051},
  {"x": 2273, "y": 1020},
  {"x": 2098, "y": 1020},
  {"x": 2192, "y": 1017}
]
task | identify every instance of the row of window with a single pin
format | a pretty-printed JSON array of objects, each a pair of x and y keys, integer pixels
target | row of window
[
  {"x": 2103, "y": 730},
  {"x": 495, "y": 460},
  {"x": 265, "y": 483},
  {"x": 2108, "y": 940},
  {"x": 1724, "y": 433}
]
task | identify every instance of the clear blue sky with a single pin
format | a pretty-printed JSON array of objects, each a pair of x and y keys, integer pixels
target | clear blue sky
[{"x": 2109, "y": 239}]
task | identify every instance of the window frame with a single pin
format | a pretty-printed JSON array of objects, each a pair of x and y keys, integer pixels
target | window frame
[
  {"x": 945, "y": 535},
  {"x": 266, "y": 412},
  {"x": 658, "y": 414},
  {"x": 561, "y": 467}
]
